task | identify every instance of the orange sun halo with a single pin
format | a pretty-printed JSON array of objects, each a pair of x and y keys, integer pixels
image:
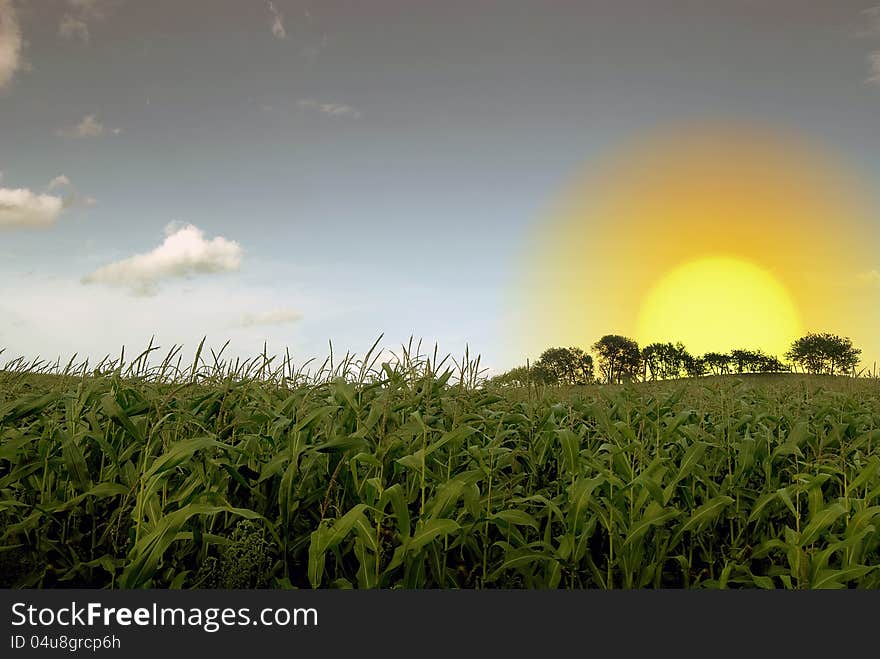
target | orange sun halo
[{"x": 718, "y": 236}]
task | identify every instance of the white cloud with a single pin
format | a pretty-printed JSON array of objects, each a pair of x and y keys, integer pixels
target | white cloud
[
  {"x": 10, "y": 43},
  {"x": 874, "y": 67},
  {"x": 871, "y": 277},
  {"x": 74, "y": 24},
  {"x": 71, "y": 27},
  {"x": 73, "y": 197},
  {"x": 273, "y": 317},
  {"x": 21, "y": 208},
  {"x": 88, "y": 127},
  {"x": 872, "y": 15},
  {"x": 184, "y": 252},
  {"x": 51, "y": 315},
  {"x": 278, "y": 30},
  {"x": 59, "y": 181},
  {"x": 332, "y": 109}
]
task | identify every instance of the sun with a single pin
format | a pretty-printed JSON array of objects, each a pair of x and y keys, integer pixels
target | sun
[
  {"x": 719, "y": 235},
  {"x": 719, "y": 304}
]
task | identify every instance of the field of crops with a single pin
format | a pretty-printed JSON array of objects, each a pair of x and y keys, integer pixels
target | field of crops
[{"x": 403, "y": 479}]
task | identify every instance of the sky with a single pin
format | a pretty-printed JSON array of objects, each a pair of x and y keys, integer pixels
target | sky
[{"x": 300, "y": 173}]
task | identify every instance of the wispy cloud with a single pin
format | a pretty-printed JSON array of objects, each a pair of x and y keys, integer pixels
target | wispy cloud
[
  {"x": 74, "y": 24},
  {"x": 278, "y": 30},
  {"x": 872, "y": 29},
  {"x": 273, "y": 317},
  {"x": 874, "y": 67},
  {"x": 21, "y": 208},
  {"x": 73, "y": 28},
  {"x": 872, "y": 17},
  {"x": 88, "y": 127},
  {"x": 73, "y": 197},
  {"x": 871, "y": 277},
  {"x": 185, "y": 252},
  {"x": 44, "y": 314},
  {"x": 331, "y": 109},
  {"x": 59, "y": 182},
  {"x": 10, "y": 43}
]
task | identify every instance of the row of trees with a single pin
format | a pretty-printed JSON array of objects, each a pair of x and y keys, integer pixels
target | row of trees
[
  {"x": 824, "y": 353},
  {"x": 619, "y": 359}
]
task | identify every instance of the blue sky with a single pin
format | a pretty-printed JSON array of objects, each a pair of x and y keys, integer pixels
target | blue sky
[{"x": 374, "y": 166}]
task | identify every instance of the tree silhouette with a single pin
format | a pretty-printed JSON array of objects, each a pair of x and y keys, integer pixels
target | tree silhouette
[
  {"x": 619, "y": 358},
  {"x": 694, "y": 366},
  {"x": 520, "y": 376},
  {"x": 665, "y": 360},
  {"x": 753, "y": 361},
  {"x": 554, "y": 366},
  {"x": 651, "y": 359},
  {"x": 824, "y": 353},
  {"x": 742, "y": 360},
  {"x": 566, "y": 365},
  {"x": 718, "y": 363},
  {"x": 771, "y": 364}
]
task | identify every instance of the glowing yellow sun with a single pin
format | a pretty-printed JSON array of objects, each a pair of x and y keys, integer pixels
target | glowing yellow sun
[
  {"x": 719, "y": 304},
  {"x": 721, "y": 236}
]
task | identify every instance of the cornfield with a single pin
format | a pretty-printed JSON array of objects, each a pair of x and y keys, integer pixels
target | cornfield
[{"x": 415, "y": 474}]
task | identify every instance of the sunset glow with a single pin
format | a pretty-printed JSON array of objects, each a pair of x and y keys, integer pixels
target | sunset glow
[
  {"x": 633, "y": 246},
  {"x": 719, "y": 304}
]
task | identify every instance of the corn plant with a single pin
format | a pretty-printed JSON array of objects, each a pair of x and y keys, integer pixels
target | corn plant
[{"x": 415, "y": 473}]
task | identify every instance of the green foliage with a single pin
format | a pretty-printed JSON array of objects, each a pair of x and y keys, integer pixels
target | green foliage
[
  {"x": 824, "y": 353},
  {"x": 519, "y": 376},
  {"x": 694, "y": 367},
  {"x": 570, "y": 366},
  {"x": 555, "y": 366},
  {"x": 663, "y": 361},
  {"x": 717, "y": 363},
  {"x": 755, "y": 361},
  {"x": 243, "y": 561},
  {"x": 619, "y": 358},
  {"x": 405, "y": 478}
]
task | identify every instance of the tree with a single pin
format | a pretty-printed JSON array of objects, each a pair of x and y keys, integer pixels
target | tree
[
  {"x": 540, "y": 374},
  {"x": 582, "y": 366},
  {"x": 824, "y": 353},
  {"x": 651, "y": 357},
  {"x": 717, "y": 363},
  {"x": 743, "y": 360},
  {"x": 566, "y": 365},
  {"x": 619, "y": 358},
  {"x": 664, "y": 360},
  {"x": 694, "y": 366},
  {"x": 520, "y": 376},
  {"x": 771, "y": 364},
  {"x": 554, "y": 366},
  {"x": 755, "y": 361},
  {"x": 808, "y": 353}
]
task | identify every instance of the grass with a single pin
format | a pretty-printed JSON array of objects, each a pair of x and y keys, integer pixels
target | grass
[{"x": 414, "y": 475}]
